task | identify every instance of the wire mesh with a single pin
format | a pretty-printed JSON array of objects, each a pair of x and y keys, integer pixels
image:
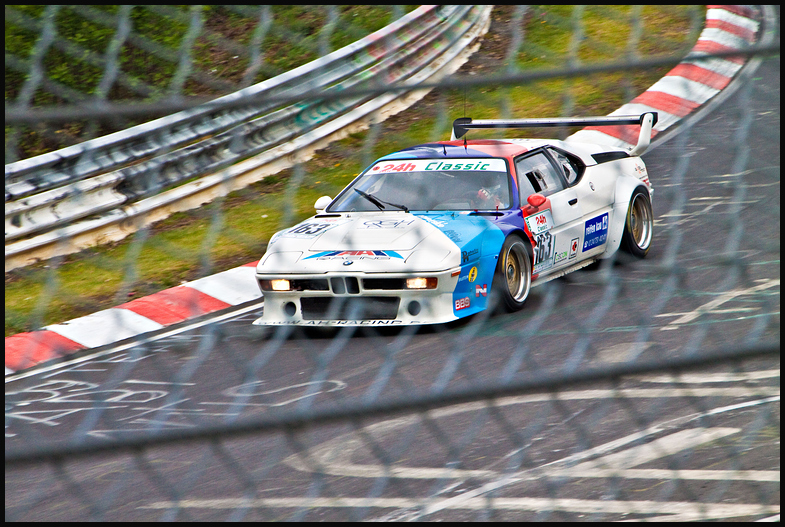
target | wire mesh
[{"x": 636, "y": 390}]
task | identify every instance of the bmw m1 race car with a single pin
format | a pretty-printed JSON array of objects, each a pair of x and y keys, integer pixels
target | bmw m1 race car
[{"x": 432, "y": 233}]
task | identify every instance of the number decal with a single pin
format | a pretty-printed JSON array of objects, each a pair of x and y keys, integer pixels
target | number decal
[{"x": 543, "y": 252}]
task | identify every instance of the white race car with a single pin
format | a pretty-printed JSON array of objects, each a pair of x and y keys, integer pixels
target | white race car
[{"x": 440, "y": 231}]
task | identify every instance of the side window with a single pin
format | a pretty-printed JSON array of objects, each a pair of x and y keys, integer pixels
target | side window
[
  {"x": 570, "y": 168},
  {"x": 536, "y": 174}
]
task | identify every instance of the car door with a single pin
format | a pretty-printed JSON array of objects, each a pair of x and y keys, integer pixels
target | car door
[
  {"x": 593, "y": 190},
  {"x": 557, "y": 235}
]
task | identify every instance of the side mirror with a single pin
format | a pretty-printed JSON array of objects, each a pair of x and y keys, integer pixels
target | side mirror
[
  {"x": 322, "y": 203},
  {"x": 535, "y": 200}
]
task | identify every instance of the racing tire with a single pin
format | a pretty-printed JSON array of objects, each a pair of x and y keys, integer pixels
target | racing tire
[
  {"x": 639, "y": 225},
  {"x": 512, "y": 279}
]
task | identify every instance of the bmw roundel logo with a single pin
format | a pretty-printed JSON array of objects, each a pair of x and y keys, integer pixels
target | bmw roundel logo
[{"x": 347, "y": 262}]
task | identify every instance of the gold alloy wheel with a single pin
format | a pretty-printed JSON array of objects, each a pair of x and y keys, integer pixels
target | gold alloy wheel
[
  {"x": 517, "y": 271},
  {"x": 640, "y": 222}
]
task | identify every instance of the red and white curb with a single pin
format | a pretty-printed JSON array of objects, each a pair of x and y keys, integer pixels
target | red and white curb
[
  {"x": 691, "y": 83},
  {"x": 143, "y": 315},
  {"x": 682, "y": 90}
]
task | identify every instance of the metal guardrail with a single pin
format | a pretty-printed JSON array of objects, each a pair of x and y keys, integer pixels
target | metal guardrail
[{"x": 126, "y": 176}]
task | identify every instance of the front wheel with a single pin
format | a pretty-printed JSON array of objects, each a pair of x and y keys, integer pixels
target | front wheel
[
  {"x": 639, "y": 225},
  {"x": 512, "y": 280}
]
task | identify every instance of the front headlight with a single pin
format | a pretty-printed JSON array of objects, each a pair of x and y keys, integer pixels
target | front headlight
[
  {"x": 275, "y": 285},
  {"x": 280, "y": 285},
  {"x": 422, "y": 283}
]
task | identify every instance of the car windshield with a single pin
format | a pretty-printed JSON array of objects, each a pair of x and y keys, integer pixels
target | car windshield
[{"x": 429, "y": 184}]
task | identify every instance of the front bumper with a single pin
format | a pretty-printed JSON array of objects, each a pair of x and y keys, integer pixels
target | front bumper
[{"x": 358, "y": 299}]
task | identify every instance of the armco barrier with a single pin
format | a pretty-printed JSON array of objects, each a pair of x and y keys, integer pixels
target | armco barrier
[
  {"x": 217, "y": 142},
  {"x": 70, "y": 164}
]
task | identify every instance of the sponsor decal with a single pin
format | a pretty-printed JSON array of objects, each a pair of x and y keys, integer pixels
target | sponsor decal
[
  {"x": 595, "y": 232},
  {"x": 430, "y": 165},
  {"x": 355, "y": 255},
  {"x": 451, "y": 165},
  {"x": 641, "y": 173},
  {"x": 540, "y": 222},
  {"x": 385, "y": 224},
  {"x": 481, "y": 290},
  {"x": 392, "y": 167},
  {"x": 570, "y": 253},
  {"x": 472, "y": 274},
  {"x": 436, "y": 223},
  {"x": 543, "y": 252},
  {"x": 468, "y": 255},
  {"x": 640, "y": 170},
  {"x": 463, "y": 303},
  {"x": 574, "y": 248},
  {"x": 453, "y": 235}
]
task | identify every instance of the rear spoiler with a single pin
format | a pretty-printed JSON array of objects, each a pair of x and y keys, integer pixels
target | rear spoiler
[{"x": 646, "y": 121}]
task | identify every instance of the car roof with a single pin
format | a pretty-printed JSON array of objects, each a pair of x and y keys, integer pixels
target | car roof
[{"x": 506, "y": 148}]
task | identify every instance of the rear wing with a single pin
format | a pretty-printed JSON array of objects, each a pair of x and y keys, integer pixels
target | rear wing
[{"x": 646, "y": 121}]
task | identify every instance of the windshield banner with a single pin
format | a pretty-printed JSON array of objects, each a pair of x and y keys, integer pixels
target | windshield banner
[{"x": 440, "y": 165}]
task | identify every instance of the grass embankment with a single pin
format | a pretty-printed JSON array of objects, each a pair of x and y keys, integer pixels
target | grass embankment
[{"x": 234, "y": 230}]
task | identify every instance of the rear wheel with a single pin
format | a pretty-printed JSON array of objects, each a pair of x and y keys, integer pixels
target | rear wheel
[
  {"x": 513, "y": 277},
  {"x": 639, "y": 225}
]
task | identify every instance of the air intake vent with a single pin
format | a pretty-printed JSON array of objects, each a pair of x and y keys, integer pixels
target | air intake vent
[
  {"x": 350, "y": 308},
  {"x": 343, "y": 285}
]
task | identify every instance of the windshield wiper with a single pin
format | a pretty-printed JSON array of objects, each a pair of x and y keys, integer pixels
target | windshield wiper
[
  {"x": 496, "y": 213},
  {"x": 379, "y": 203}
]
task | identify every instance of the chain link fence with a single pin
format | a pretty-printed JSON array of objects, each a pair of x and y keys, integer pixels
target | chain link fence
[{"x": 642, "y": 391}]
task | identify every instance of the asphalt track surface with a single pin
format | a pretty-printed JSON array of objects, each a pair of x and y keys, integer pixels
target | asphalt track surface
[{"x": 600, "y": 452}]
